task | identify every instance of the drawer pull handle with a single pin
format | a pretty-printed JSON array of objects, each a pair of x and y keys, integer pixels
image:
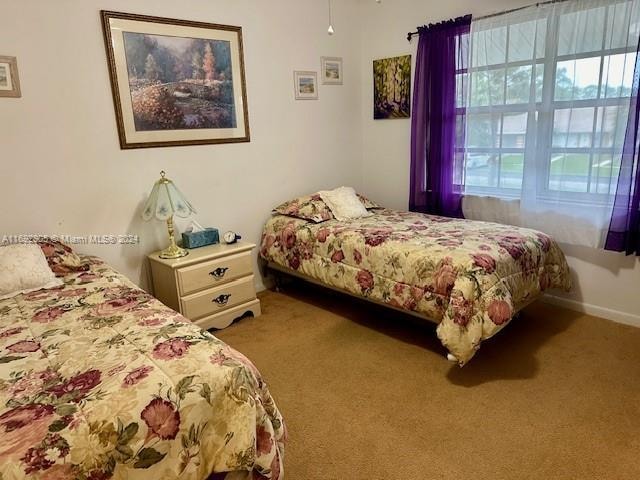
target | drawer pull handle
[
  {"x": 222, "y": 300},
  {"x": 219, "y": 272}
]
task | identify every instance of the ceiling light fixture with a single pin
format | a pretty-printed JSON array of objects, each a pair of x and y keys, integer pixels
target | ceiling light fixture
[{"x": 330, "y": 30}]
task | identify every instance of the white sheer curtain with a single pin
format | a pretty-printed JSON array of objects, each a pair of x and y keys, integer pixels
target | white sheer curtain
[{"x": 547, "y": 110}]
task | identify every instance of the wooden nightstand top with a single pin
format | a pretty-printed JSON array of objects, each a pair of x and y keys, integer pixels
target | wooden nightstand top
[{"x": 197, "y": 255}]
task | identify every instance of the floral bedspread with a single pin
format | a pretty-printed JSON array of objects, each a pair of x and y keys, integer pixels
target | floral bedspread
[
  {"x": 99, "y": 380},
  {"x": 469, "y": 276}
]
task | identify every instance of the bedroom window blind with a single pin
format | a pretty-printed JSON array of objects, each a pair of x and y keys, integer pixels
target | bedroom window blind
[{"x": 547, "y": 105}]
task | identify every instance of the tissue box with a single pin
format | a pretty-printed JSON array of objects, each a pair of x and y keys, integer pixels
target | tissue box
[{"x": 208, "y": 236}]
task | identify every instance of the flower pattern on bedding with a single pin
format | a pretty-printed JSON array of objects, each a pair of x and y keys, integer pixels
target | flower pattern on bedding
[
  {"x": 469, "y": 276},
  {"x": 99, "y": 380}
]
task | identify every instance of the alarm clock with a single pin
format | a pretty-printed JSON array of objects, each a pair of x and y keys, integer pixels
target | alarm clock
[{"x": 230, "y": 237}]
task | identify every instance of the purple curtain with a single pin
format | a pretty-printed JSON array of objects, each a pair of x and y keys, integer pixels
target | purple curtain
[
  {"x": 437, "y": 125},
  {"x": 624, "y": 230}
]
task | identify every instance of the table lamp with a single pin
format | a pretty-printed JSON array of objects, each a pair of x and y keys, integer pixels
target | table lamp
[{"x": 165, "y": 201}]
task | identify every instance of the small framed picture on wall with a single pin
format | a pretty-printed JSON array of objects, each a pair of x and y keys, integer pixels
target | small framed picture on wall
[
  {"x": 331, "y": 70},
  {"x": 9, "y": 81},
  {"x": 306, "y": 85}
]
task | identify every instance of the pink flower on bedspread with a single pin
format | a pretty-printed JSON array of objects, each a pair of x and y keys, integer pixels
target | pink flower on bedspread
[
  {"x": 275, "y": 467},
  {"x": 417, "y": 293},
  {"x": 365, "y": 280},
  {"x": 337, "y": 256},
  {"x": 305, "y": 250},
  {"x": 445, "y": 277},
  {"x": 24, "y": 346},
  {"x": 42, "y": 294},
  {"x": 115, "y": 306},
  {"x": 48, "y": 315},
  {"x": 74, "y": 292},
  {"x": 322, "y": 234},
  {"x": 484, "y": 261},
  {"x": 292, "y": 209},
  {"x": 170, "y": 349},
  {"x": 357, "y": 256},
  {"x": 78, "y": 387},
  {"x": 461, "y": 307},
  {"x": 267, "y": 243},
  {"x": 24, "y": 415},
  {"x": 515, "y": 249},
  {"x": 375, "y": 239},
  {"x": 22, "y": 427},
  {"x": 87, "y": 277},
  {"x": 264, "y": 440},
  {"x": 162, "y": 419},
  {"x": 545, "y": 241},
  {"x": 294, "y": 261},
  {"x": 10, "y": 332},
  {"x": 288, "y": 236},
  {"x": 136, "y": 376},
  {"x": 151, "y": 322},
  {"x": 409, "y": 304},
  {"x": 499, "y": 312},
  {"x": 32, "y": 383}
]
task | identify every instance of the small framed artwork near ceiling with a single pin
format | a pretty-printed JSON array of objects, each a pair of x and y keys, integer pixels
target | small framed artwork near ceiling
[
  {"x": 331, "y": 70},
  {"x": 9, "y": 81},
  {"x": 392, "y": 88},
  {"x": 306, "y": 85},
  {"x": 176, "y": 82}
]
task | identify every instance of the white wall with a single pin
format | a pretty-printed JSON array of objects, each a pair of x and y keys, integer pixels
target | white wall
[
  {"x": 605, "y": 283},
  {"x": 61, "y": 168}
]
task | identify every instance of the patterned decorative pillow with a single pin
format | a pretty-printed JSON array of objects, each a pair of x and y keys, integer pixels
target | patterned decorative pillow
[
  {"x": 62, "y": 260},
  {"x": 310, "y": 207},
  {"x": 368, "y": 204},
  {"x": 24, "y": 269},
  {"x": 344, "y": 203}
]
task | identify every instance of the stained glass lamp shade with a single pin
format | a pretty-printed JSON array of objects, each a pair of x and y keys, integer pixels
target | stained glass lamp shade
[{"x": 165, "y": 201}]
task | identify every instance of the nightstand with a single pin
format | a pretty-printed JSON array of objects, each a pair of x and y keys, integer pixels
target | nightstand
[{"x": 212, "y": 286}]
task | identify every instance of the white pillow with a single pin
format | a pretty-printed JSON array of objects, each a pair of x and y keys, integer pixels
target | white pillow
[
  {"x": 23, "y": 269},
  {"x": 344, "y": 203}
]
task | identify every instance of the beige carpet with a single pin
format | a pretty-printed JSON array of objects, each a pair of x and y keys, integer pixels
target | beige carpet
[{"x": 367, "y": 394}]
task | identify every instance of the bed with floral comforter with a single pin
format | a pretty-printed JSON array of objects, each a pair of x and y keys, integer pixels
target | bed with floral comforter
[
  {"x": 471, "y": 277},
  {"x": 99, "y": 380}
]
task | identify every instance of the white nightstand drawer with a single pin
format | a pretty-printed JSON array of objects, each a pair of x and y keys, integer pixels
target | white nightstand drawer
[
  {"x": 218, "y": 299},
  {"x": 208, "y": 274}
]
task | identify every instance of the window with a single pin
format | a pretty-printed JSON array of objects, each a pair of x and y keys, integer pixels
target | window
[{"x": 547, "y": 102}]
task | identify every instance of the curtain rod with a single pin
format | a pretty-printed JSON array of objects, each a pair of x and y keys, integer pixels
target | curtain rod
[{"x": 411, "y": 34}]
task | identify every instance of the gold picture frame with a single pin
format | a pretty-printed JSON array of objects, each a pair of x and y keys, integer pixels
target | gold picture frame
[
  {"x": 175, "y": 82},
  {"x": 9, "y": 79}
]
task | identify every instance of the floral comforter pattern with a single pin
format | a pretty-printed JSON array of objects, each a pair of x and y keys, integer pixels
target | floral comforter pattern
[
  {"x": 469, "y": 276},
  {"x": 99, "y": 380}
]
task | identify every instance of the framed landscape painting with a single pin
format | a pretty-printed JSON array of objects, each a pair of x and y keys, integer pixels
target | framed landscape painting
[
  {"x": 331, "y": 70},
  {"x": 175, "y": 82},
  {"x": 306, "y": 85},
  {"x": 9, "y": 82},
  {"x": 392, "y": 87}
]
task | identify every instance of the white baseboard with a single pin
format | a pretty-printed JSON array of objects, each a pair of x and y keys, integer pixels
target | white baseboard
[{"x": 596, "y": 311}]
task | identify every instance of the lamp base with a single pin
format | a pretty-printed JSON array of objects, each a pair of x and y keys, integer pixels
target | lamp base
[{"x": 173, "y": 251}]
